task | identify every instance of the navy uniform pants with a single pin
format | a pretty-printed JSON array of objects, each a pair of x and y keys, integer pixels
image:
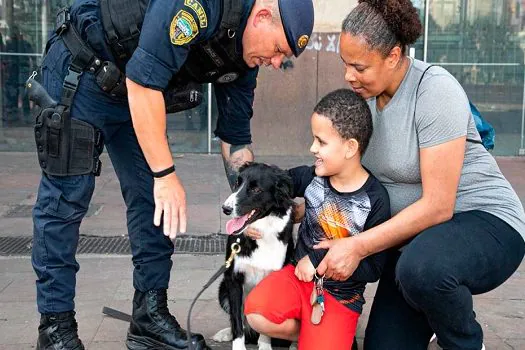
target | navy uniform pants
[
  {"x": 63, "y": 201},
  {"x": 427, "y": 287}
]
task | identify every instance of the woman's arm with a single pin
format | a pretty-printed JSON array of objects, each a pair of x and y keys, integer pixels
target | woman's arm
[{"x": 440, "y": 173}]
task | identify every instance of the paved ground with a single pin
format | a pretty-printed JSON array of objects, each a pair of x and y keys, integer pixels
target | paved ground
[
  {"x": 202, "y": 175},
  {"x": 106, "y": 279}
]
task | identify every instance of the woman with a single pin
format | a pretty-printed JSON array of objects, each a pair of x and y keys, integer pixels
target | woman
[{"x": 458, "y": 227}]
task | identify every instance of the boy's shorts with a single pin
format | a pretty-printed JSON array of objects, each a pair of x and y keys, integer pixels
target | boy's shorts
[{"x": 281, "y": 296}]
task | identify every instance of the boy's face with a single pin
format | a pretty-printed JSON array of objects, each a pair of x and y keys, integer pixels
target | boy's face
[{"x": 328, "y": 147}]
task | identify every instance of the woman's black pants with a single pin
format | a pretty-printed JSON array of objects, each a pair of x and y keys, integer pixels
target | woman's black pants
[{"x": 427, "y": 286}]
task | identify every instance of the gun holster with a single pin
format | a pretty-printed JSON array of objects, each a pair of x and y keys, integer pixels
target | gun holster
[
  {"x": 111, "y": 80},
  {"x": 63, "y": 149},
  {"x": 179, "y": 97}
]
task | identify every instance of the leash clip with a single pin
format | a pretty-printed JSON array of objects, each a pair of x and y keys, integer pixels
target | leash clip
[
  {"x": 33, "y": 75},
  {"x": 236, "y": 248}
]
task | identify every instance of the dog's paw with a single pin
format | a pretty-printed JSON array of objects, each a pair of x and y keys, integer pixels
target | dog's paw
[
  {"x": 223, "y": 335},
  {"x": 264, "y": 342},
  {"x": 265, "y": 346},
  {"x": 238, "y": 344},
  {"x": 293, "y": 346}
]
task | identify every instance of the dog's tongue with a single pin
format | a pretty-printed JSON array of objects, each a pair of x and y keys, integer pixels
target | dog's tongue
[{"x": 236, "y": 224}]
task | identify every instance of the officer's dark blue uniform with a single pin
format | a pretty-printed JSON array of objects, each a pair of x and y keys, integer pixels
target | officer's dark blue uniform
[{"x": 170, "y": 28}]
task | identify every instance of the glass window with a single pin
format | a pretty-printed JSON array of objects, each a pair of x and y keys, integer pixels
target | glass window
[
  {"x": 24, "y": 29},
  {"x": 479, "y": 42},
  {"x": 188, "y": 130}
]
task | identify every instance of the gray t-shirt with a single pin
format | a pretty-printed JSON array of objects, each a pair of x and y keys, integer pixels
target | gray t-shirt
[{"x": 442, "y": 114}]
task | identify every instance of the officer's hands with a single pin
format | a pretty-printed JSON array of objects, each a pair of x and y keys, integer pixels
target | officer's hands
[{"x": 170, "y": 204}]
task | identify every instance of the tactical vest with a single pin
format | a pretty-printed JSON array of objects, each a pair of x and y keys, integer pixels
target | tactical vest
[
  {"x": 216, "y": 60},
  {"x": 67, "y": 146}
]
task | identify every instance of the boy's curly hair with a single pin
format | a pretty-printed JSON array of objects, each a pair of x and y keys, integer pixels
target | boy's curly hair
[{"x": 349, "y": 114}]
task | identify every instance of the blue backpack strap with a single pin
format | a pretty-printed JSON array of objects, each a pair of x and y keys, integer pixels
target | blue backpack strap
[{"x": 485, "y": 129}]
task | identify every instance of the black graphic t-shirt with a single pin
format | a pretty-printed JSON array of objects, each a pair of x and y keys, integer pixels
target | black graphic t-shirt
[{"x": 330, "y": 214}]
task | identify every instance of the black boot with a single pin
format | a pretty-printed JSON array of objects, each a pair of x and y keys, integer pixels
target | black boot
[
  {"x": 58, "y": 332},
  {"x": 153, "y": 327}
]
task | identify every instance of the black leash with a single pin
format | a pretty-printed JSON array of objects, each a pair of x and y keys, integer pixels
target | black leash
[
  {"x": 192, "y": 344},
  {"x": 235, "y": 249},
  {"x": 119, "y": 315}
]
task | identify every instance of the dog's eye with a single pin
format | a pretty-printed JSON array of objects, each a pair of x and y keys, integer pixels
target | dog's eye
[{"x": 256, "y": 190}]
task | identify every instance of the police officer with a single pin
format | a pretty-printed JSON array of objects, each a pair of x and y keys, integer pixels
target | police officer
[{"x": 162, "y": 48}]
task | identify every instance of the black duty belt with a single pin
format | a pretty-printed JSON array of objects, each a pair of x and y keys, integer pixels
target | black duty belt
[{"x": 108, "y": 76}]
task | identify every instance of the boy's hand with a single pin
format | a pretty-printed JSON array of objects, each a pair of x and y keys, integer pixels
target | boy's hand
[
  {"x": 305, "y": 270},
  {"x": 298, "y": 213},
  {"x": 253, "y": 233}
]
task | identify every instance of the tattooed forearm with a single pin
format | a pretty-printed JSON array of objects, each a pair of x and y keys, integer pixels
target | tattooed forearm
[
  {"x": 231, "y": 174},
  {"x": 234, "y": 157}
]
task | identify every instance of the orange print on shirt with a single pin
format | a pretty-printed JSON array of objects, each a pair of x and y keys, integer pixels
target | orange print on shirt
[{"x": 334, "y": 224}]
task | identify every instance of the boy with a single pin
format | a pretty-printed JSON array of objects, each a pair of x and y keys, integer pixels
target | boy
[{"x": 342, "y": 199}]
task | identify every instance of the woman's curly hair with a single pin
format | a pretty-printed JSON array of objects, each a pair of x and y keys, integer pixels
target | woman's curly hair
[{"x": 384, "y": 24}]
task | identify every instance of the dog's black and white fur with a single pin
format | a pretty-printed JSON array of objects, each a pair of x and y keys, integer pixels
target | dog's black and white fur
[{"x": 262, "y": 197}]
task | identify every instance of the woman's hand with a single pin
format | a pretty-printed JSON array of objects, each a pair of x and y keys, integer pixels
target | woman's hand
[
  {"x": 342, "y": 259},
  {"x": 305, "y": 270}
]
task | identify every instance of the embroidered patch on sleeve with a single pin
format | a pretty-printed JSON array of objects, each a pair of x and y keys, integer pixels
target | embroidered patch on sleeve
[
  {"x": 199, "y": 10},
  {"x": 183, "y": 28}
]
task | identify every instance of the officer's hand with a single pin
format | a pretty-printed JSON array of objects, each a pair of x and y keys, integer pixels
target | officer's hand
[{"x": 170, "y": 201}]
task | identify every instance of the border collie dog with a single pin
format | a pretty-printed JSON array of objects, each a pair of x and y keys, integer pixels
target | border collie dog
[{"x": 262, "y": 198}]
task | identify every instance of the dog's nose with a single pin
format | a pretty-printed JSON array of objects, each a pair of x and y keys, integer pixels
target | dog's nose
[{"x": 227, "y": 210}]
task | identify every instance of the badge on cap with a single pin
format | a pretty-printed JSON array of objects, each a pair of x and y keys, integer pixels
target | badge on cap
[
  {"x": 183, "y": 28},
  {"x": 302, "y": 41}
]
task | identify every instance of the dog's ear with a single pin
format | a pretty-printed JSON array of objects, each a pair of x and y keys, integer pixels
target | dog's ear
[{"x": 283, "y": 188}]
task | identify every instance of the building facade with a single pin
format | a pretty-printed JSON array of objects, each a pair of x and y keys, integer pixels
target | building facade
[{"x": 481, "y": 42}]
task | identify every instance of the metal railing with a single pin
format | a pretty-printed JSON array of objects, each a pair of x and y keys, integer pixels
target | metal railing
[{"x": 20, "y": 54}]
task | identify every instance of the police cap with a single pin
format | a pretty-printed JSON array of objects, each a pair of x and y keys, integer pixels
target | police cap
[{"x": 298, "y": 22}]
